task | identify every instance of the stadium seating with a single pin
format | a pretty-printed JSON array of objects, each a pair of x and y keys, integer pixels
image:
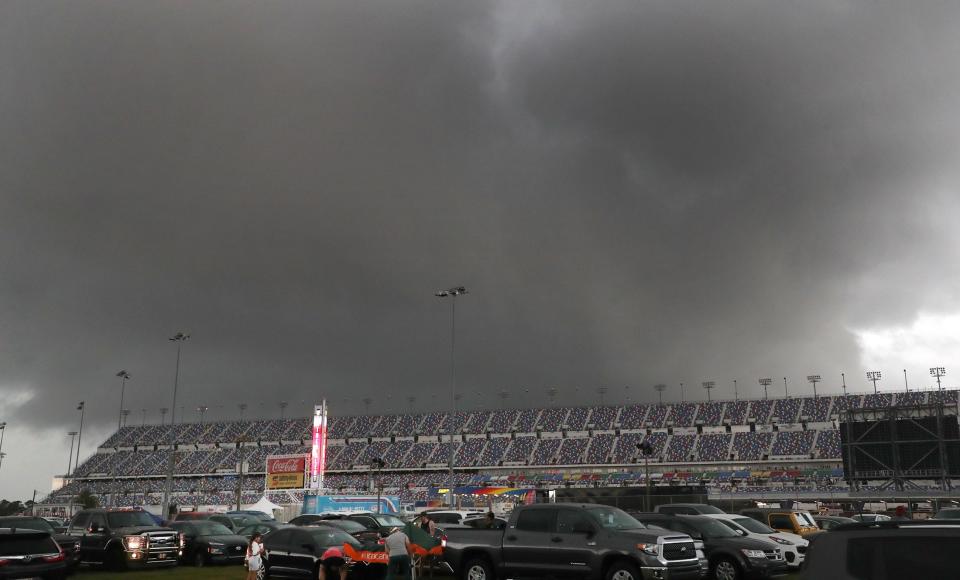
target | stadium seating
[
  {"x": 710, "y": 413},
  {"x": 751, "y": 446},
  {"x": 603, "y": 417},
  {"x": 632, "y": 416},
  {"x": 551, "y": 419},
  {"x": 526, "y": 420},
  {"x": 714, "y": 447},
  {"x": 599, "y": 449},
  {"x": 736, "y": 412},
  {"x": 793, "y": 443},
  {"x": 520, "y": 449},
  {"x": 682, "y": 414},
  {"x": 680, "y": 447}
]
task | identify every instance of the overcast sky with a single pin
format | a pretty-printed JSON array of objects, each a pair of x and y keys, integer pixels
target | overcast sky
[{"x": 633, "y": 192}]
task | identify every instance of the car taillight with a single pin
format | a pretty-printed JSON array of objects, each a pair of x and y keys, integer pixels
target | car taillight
[
  {"x": 4, "y": 562},
  {"x": 58, "y": 558}
]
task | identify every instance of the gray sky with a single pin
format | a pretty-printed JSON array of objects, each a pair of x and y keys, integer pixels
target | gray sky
[{"x": 633, "y": 192}]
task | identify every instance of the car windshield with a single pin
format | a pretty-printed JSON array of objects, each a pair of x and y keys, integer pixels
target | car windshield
[
  {"x": 39, "y": 524},
  {"x": 390, "y": 521},
  {"x": 129, "y": 519},
  {"x": 712, "y": 529},
  {"x": 614, "y": 518},
  {"x": 211, "y": 529},
  {"x": 331, "y": 537},
  {"x": 752, "y": 525}
]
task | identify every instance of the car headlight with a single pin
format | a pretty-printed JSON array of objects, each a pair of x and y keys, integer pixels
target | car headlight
[
  {"x": 134, "y": 543},
  {"x": 651, "y": 549},
  {"x": 754, "y": 554},
  {"x": 183, "y": 541},
  {"x": 781, "y": 541}
]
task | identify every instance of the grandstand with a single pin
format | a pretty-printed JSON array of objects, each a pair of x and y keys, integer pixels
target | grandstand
[{"x": 743, "y": 447}]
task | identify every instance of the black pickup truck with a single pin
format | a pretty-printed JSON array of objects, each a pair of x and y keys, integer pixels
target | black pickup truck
[
  {"x": 120, "y": 539},
  {"x": 588, "y": 541}
]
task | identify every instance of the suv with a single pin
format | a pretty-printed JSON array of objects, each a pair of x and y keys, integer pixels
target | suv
[
  {"x": 233, "y": 521},
  {"x": 687, "y": 509},
  {"x": 120, "y": 538},
  {"x": 26, "y": 553},
  {"x": 798, "y": 522},
  {"x": 731, "y": 556},
  {"x": 885, "y": 551},
  {"x": 69, "y": 544}
]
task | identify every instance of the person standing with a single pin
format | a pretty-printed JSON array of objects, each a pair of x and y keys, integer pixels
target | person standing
[
  {"x": 254, "y": 557},
  {"x": 427, "y": 525},
  {"x": 398, "y": 550}
]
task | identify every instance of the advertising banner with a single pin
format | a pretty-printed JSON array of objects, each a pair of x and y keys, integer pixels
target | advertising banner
[{"x": 285, "y": 480}]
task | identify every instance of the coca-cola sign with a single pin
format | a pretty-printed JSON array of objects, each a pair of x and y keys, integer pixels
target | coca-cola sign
[{"x": 286, "y": 464}]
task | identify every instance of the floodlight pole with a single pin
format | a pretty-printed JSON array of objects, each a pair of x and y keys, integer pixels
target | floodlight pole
[
  {"x": 73, "y": 438},
  {"x": 708, "y": 385},
  {"x": 3, "y": 431},
  {"x": 124, "y": 377},
  {"x": 843, "y": 379},
  {"x": 82, "y": 408},
  {"x": 735, "y": 396},
  {"x": 682, "y": 394},
  {"x": 786, "y": 393},
  {"x": 938, "y": 372},
  {"x": 452, "y": 293},
  {"x": 814, "y": 379},
  {"x": 660, "y": 388},
  {"x": 874, "y": 376},
  {"x": 766, "y": 383},
  {"x": 905, "y": 384},
  {"x": 179, "y": 338}
]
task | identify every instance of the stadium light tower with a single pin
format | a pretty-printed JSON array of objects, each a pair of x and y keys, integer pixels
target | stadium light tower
[
  {"x": 786, "y": 393},
  {"x": 73, "y": 438},
  {"x": 660, "y": 388},
  {"x": 906, "y": 385},
  {"x": 873, "y": 377},
  {"x": 3, "y": 431},
  {"x": 202, "y": 409},
  {"x": 452, "y": 294},
  {"x": 178, "y": 338},
  {"x": 843, "y": 379},
  {"x": 552, "y": 394},
  {"x": 124, "y": 377},
  {"x": 938, "y": 372},
  {"x": 683, "y": 396},
  {"x": 82, "y": 408},
  {"x": 735, "y": 390},
  {"x": 766, "y": 383},
  {"x": 708, "y": 385},
  {"x": 602, "y": 391},
  {"x": 814, "y": 379}
]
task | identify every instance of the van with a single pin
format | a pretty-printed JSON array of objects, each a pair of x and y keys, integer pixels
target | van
[{"x": 798, "y": 522}]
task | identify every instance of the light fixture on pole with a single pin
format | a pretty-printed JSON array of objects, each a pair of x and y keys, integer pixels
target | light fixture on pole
[
  {"x": 452, "y": 294},
  {"x": 178, "y": 338},
  {"x": 814, "y": 379},
  {"x": 708, "y": 385},
  {"x": 843, "y": 379},
  {"x": 906, "y": 385},
  {"x": 82, "y": 408},
  {"x": 938, "y": 372},
  {"x": 3, "y": 431},
  {"x": 735, "y": 396},
  {"x": 124, "y": 377},
  {"x": 73, "y": 438},
  {"x": 202, "y": 409},
  {"x": 874, "y": 376},
  {"x": 660, "y": 388},
  {"x": 766, "y": 383},
  {"x": 786, "y": 393}
]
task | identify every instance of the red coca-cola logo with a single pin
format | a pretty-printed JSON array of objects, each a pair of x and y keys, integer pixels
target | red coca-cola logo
[{"x": 286, "y": 465}]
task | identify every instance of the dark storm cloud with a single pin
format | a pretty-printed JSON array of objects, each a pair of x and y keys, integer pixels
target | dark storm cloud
[{"x": 633, "y": 192}]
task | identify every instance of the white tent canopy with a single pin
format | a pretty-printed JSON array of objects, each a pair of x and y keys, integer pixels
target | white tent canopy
[{"x": 264, "y": 505}]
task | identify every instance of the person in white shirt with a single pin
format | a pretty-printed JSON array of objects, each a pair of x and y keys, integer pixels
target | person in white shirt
[
  {"x": 254, "y": 557},
  {"x": 398, "y": 549}
]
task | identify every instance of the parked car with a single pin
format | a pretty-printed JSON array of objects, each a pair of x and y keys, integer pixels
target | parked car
[
  {"x": 69, "y": 544},
  {"x": 870, "y": 518},
  {"x": 440, "y": 517},
  {"x": 586, "y": 540},
  {"x": 690, "y": 509},
  {"x": 58, "y": 524},
  {"x": 793, "y": 547},
  {"x": 947, "y": 514},
  {"x": 355, "y": 529},
  {"x": 295, "y": 552},
  {"x": 124, "y": 538},
  {"x": 253, "y": 514},
  {"x": 798, "y": 522},
  {"x": 28, "y": 553},
  {"x": 209, "y": 542},
  {"x": 701, "y": 553},
  {"x": 731, "y": 556},
  {"x": 380, "y": 523},
  {"x": 232, "y": 521},
  {"x": 829, "y": 522},
  {"x": 307, "y": 519},
  {"x": 260, "y": 528},
  {"x": 885, "y": 550}
]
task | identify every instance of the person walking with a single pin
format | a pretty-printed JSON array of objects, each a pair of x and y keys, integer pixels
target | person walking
[
  {"x": 398, "y": 549},
  {"x": 254, "y": 559}
]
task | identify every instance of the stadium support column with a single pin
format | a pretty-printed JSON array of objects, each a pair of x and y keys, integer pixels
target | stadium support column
[
  {"x": 178, "y": 338},
  {"x": 452, "y": 293}
]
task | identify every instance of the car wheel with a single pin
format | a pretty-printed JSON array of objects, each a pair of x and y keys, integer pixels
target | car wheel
[
  {"x": 199, "y": 560},
  {"x": 726, "y": 569},
  {"x": 478, "y": 569},
  {"x": 623, "y": 570}
]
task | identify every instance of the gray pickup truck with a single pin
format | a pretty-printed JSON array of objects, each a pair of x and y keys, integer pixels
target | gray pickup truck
[{"x": 587, "y": 541}]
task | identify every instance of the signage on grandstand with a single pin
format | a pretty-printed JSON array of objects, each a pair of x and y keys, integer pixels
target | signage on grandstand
[{"x": 286, "y": 471}]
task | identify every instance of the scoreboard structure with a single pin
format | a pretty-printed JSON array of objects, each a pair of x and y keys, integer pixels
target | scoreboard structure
[{"x": 303, "y": 470}]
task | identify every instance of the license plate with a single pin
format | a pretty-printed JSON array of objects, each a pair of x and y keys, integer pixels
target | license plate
[{"x": 162, "y": 556}]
